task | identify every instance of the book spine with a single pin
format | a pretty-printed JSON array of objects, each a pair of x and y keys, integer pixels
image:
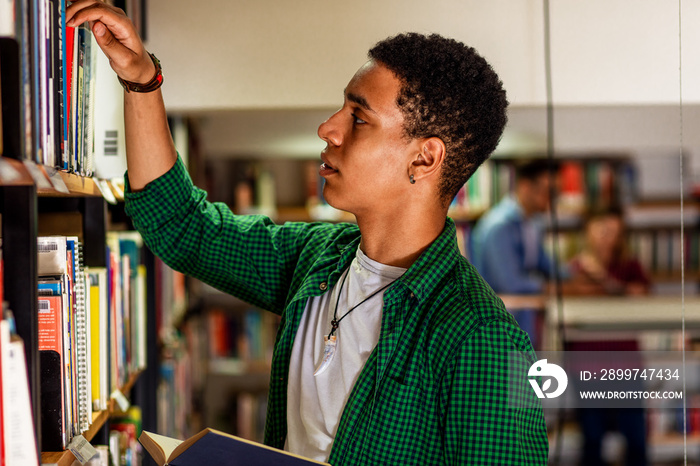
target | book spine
[
  {"x": 26, "y": 107},
  {"x": 84, "y": 409},
  {"x": 53, "y": 425},
  {"x": 63, "y": 76},
  {"x": 70, "y": 90}
]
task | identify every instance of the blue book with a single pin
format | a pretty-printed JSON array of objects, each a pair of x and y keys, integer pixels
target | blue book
[
  {"x": 213, "y": 447},
  {"x": 63, "y": 50},
  {"x": 50, "y": 288}
]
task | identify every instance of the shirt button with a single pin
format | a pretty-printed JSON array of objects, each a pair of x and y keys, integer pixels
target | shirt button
[
  {"x": 323, "y": 286},
  {"x": 412, "y": 295}
]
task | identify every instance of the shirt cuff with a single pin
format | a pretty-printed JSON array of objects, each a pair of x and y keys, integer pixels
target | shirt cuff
[{"x": 160, "y": 199}]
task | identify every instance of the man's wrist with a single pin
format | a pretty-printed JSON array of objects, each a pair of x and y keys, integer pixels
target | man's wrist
[{"x": 148, "y": 84}]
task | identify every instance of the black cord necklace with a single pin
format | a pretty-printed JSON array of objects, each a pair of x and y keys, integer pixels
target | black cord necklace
[
  {"x": 335, "y": 322},
  {"x": 329, "y": 341}
]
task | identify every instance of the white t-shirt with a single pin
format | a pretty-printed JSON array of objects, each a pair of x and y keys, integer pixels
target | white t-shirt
[{"x": 315, "y": 402}]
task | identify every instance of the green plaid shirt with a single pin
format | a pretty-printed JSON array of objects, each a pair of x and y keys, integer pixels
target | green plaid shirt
[{"x": 437, "y": 389}]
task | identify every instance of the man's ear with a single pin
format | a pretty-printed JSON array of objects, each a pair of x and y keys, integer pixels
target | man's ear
[{"x": 429, "y": 160}]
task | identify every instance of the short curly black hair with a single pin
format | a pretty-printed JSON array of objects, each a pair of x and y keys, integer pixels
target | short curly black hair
[{"x": 448, "y": 91}]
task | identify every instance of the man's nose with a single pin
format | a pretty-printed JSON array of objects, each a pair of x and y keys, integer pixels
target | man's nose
[{"x": 330, "y": 130}]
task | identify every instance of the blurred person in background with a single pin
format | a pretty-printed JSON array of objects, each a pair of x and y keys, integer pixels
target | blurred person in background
[
  {"x": 605, "y": 267},
  {"x": 604, "y": 262},
  {"x": 507, "y": 244}
]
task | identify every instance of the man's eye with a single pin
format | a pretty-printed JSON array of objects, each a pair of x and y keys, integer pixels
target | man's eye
[{"x": 358, "y": 120}]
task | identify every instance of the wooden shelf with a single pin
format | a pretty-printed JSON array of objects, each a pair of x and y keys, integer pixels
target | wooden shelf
[
  {"x": 674, "y": 439},
  {"x": 237, "y": 366},
  {"x": 302, "y": 214},
  {"x": 77, "y": 185},
  {"x": 675, "y": 276},
  {"x": 15, "y": 172},
  {"x": 626, "y": 313},
  {"x": 66, "y": 458}
]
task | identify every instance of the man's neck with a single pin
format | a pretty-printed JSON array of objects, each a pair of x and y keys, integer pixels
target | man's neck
[{"x": 399, "y": 240}]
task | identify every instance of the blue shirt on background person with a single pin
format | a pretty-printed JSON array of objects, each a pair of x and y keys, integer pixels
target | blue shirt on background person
[{"x": 508, "y": 250}]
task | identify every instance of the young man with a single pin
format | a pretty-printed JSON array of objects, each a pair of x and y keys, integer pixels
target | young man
[{"x": 391, "y": 349}]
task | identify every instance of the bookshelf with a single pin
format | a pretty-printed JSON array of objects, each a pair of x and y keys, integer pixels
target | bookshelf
[
  {"x": 48, "y": 160},
  {"x": 224, "y": 346}
]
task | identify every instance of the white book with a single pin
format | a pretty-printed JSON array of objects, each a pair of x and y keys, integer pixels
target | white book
[
  {"x": 81, "y": 341},
  {"x": 7, "y": 18},
  {"x": 51, "y": 255},
  {"x": 17, "y": 421},
  {"x": 110, "y": 144}
]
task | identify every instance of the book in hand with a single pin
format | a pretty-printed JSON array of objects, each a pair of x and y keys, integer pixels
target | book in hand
[{"x": 214, "y": 447}]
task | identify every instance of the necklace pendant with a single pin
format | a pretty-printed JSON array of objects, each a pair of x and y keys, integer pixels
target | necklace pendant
[{"x": 329, "y": 345}]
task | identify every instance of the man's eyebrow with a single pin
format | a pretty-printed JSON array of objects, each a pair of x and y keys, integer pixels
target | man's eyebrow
[{"x": 359, "y": 100}]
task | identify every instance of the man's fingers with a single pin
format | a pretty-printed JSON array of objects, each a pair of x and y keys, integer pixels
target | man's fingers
[
  {"x": 116, "y": 36},
  {"x": 118, "y": 23},
  {"x": 80, "y": 5},
  {"x": 114, "y": 19},
  {"x": 114, "y": 50}
]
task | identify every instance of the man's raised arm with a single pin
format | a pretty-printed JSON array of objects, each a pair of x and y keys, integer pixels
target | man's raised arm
[{"x": 149, "y": 148}]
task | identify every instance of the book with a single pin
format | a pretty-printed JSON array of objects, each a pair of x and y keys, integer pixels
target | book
[
  {"x": 62, "y": 290},
  {"x": 7, "y": 18},
  {"x": 11, "y": 126},
  {"x": 99, "y": 316},
  {"x": 18, "y": 439},
  {"x": 110, "y": 143},
  {"x": 214, "y": 447},
  {"x": 53, "y": 422}
]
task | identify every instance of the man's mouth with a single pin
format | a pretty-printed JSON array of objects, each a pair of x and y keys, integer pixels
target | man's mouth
[{"x": 326, "y": 169}]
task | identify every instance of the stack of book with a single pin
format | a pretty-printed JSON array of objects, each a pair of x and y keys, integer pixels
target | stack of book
[
  {"x": 64, "y": 104},
  {"x": 91, "y": 331}
]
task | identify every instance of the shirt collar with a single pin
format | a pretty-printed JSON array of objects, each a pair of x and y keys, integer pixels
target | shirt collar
[{"x": 432, "y": 265}]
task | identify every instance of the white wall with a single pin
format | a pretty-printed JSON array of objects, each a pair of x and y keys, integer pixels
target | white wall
[{"x": 223, "y": 54}]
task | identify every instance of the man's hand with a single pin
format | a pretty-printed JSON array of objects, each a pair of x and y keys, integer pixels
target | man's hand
[{"x": 116, "y": 36}]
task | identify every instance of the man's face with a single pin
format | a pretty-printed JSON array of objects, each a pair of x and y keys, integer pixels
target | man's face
[
  {"x": 541, "y": 192},
  {"x": 367, "y": 157},
  {"x": 538, "y": 193}
]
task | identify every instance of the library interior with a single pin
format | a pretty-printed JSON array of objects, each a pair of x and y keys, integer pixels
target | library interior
[{"x": 101, "y": 340}]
